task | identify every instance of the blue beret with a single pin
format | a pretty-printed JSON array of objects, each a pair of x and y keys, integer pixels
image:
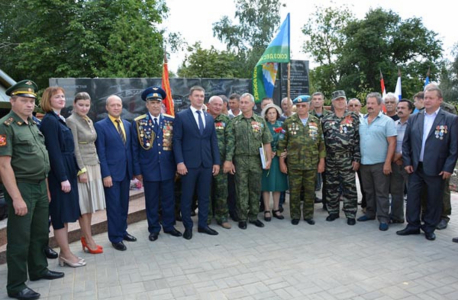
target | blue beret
[
  {"x": 301, "y": 99},
  {"x": 153, "y": 93}
]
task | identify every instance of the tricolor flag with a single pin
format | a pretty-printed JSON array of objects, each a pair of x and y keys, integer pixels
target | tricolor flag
[
  {"x": 166, "y": 87},
  {"x": 265, "y": 72},
  {"x": 398, "y": 90}
]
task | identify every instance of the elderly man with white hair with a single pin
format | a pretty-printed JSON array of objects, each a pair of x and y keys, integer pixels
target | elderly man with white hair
[{"x": 391, "y": 101}]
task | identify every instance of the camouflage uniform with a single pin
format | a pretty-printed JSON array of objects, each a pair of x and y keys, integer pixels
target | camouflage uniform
[
  {"x": 305, "y": 146},
  {"x": 244, "y": 138},
  {"x": 341, "y": 136},
  {"x": 218, "y": 202}
]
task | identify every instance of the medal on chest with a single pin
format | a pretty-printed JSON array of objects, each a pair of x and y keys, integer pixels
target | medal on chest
[{"x": 145, "y": 133}]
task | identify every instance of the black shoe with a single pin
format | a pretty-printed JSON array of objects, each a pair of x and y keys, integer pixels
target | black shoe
[
  {"x": 187, "y": 234},
  {"x": 173, "y": 232},
  {"x": 365, "y": 218},
  {"x": 310, "y": 221},
  {"x": 242, "y": 225},
  {"x": 207, "y": 230},
  {"x": 394, "y": 221},
  {"x": 119, "y": 246},
  {"x": 50, "y": 253},
  {"x": 257, "y": 223},
  {"x": 408, "y": 231},
  {"x": 277, "y": 214},
  {"x": 455, "y": 240},
  {"x": 295, "y": 221},
  {"x": 49, "y": 275},
  {"x": 153, "y": 236},
  {"x": 267, "y": 219},
  {"x": 442, "y": 224},
  {"x": 351, "y": 221},
  {"x": 430, "y": 236},
  {"x": 280, "y": 208},
  {"x": 25, "y": 294},
  {"x": 318, "y": 200},
  {"x": 332, "y": 217},
  {"x": 129, "y": 238}
]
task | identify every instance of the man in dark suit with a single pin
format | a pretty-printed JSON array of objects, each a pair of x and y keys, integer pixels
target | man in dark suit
[
  {"x": 195, "y": 146},
  {"x": 114, "y": 148},
  {"x": 154, "y": 163},
  {"x": 429, "y": 152}
]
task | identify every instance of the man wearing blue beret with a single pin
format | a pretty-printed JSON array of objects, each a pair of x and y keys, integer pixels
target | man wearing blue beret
[{"x": 304, "y": 143}]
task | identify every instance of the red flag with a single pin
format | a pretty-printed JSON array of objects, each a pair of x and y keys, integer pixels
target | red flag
[
  {"x": 166, "y": 87},
  {"x": 382, "y": 85}
]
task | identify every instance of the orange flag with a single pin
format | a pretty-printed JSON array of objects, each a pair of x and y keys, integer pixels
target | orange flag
[{"x": 166, "y": 87}]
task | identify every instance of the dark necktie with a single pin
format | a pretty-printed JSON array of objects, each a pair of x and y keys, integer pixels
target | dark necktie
[
  {"x": 156, "y": 125},
  {"x": 121, "y": 133},
  {"x": 201, "y": 122}
]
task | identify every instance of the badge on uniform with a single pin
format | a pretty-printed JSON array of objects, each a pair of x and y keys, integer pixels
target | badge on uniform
[
  {"x": 256, "y": 126},
  {"x": 220, "y": 125},
  {"x": 293, "y": 128},
  {"x": 441, "y": 131},
  {"x": 2, "y": 140},
  {"x": 167, "y": 130},
  {"x": 313, "y": 130}
]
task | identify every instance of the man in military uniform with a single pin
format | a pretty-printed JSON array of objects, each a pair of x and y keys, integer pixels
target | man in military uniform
[
  {"x": 246, "y": 133},
  {"x": 218, "y": 199},
  {"x": 317, "y": 109},
  {"x": 306, "y": 155},
  {"x": 341, "y": 136},
  {"x": 154, "y": 163},
  {"x": 24, "y": 167}
]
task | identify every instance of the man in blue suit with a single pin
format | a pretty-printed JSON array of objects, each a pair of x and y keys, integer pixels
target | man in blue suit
[
  {"x": 429, "y": 153},
  {"x": 154, "y": 163},
  {"x": 195, "y": 146},
  {"x": 114, "y": 148}
]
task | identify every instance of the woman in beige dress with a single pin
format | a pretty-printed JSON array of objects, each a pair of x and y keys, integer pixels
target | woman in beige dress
[{"x": 90, "y": 186}]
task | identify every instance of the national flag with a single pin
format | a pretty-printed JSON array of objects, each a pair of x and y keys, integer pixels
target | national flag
[
  {"x": 427, "y": 78},
  {"x": 166, "y": 87},
  {"x": 398, "y": 90},
  {"x": 265, "y": 71}
]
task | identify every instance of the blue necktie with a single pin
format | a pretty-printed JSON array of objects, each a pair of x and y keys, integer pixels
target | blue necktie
[
  {"x": 156, "y": 125},
  {"x": 201, "y": 122}
]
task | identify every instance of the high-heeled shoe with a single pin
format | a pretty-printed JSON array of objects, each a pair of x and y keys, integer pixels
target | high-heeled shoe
[
  {"x": 64, "y": 262},
  {"x": 86, "y": 248}
]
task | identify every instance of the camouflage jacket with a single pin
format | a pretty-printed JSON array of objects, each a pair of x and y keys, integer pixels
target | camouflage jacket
[
  {"x": 325, "y": 113},
  {"x": 341, "y": 135},
  {"x": 221, "y": 123},
  {"x": 305, "y": 144},
  {"x": 246, "y": 135}
]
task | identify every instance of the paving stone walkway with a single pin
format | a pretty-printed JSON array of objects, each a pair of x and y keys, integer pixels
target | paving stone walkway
[{"x": 329, "y": 260}]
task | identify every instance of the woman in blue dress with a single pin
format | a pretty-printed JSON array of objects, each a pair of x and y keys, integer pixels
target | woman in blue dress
[
  {"x": 273, "y": 180},
  {"x": 64, "y": 206}
]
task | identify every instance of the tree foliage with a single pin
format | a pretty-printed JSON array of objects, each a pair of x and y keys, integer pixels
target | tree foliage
[
  {"x": 256, "y": 23},
  {"x": 209, "y": 63},
  {"x": 352, "y": 52},
  {"x": 80, "y": 38},
  {"x": 449, "y": 78}
]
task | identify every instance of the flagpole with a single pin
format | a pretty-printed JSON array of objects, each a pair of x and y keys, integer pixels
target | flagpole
[{"x": 288, "y": 86}]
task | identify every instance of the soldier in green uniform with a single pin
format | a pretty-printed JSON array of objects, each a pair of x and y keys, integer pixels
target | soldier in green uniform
[
  {"x": 218, "y": 200},
  {"x": 341, "y": 136},
  {"x": 24, "y": 167},
  {"x": 246, "y": 134},
  {"x": 304, "y": 144}
]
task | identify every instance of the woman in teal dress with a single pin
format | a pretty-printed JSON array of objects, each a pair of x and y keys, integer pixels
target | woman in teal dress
[{"x": 273, "y": 180}]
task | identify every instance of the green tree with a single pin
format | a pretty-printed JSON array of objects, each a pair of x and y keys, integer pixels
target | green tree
[
  {"x": 357, "y": 50},
  {"x": 256, "y": 23},
  {"x": 449, "y": 78},
  {"x": 211, "y": 63},
  {"x": 80, "y": 38}
]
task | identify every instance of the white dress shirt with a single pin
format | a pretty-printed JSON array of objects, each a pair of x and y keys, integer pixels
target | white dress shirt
[
  {"x": 196, "y": 116},
  {"x": 429, "y": 120}
]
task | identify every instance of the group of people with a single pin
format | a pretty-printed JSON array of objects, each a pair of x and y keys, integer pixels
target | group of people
[{"x": 66, "y": 169}]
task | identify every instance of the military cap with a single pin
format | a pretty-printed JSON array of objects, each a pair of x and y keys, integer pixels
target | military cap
[
  {"x": 25, "y": 88},
  {"x": 301, "y": 99},
  {"x": 153, "y": 93},
  {"x": 338, "y": 94}
]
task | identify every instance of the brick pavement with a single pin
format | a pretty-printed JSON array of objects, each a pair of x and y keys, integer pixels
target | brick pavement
[{"x": 330, "y": 260}]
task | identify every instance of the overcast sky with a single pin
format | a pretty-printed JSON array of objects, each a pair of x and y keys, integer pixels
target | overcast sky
[{"x": 194, "y": 19}]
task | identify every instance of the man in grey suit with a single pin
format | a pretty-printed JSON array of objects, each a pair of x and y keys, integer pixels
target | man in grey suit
[{"x": 429, "y": 152}]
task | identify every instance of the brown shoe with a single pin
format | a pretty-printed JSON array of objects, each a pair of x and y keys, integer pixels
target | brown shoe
[{"x": 226, "y": 225}]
